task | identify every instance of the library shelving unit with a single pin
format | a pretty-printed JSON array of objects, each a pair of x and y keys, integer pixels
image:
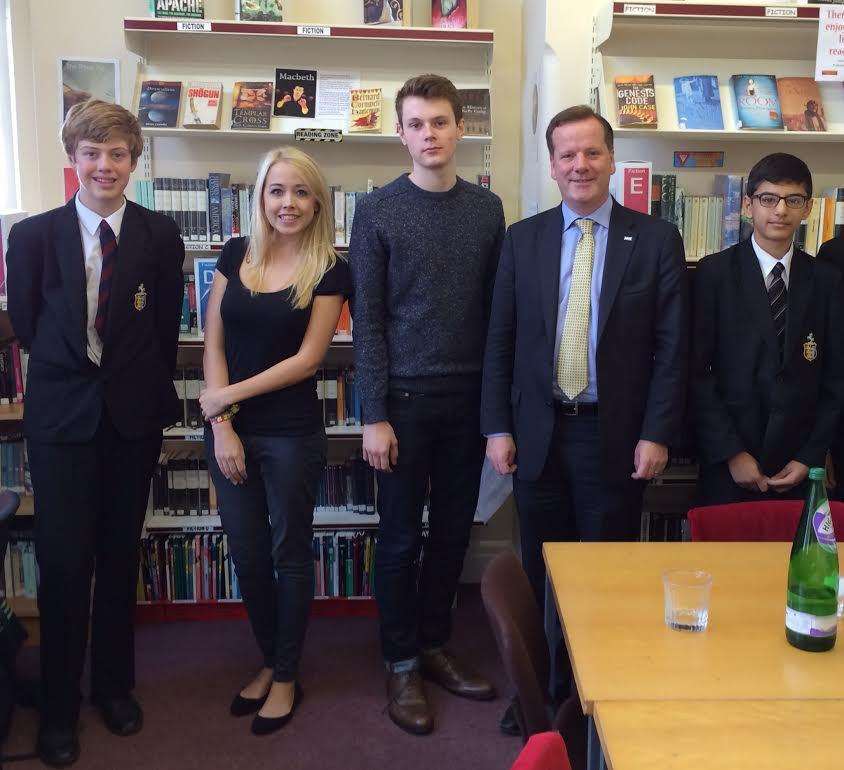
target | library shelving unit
[
  {"x": 691, "y": 38},
  {"x": 227, "y": 51}
]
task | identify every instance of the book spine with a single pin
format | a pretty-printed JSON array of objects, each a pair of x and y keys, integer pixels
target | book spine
[{"x": 215, "y": 208}]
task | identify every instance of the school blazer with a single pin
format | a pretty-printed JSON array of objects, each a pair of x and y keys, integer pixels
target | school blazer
[
  {"x": 745, "y": 398},
  {"x": 65, "y": 391}
]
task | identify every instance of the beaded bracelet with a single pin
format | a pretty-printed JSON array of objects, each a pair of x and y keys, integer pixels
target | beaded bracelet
[{"x": 225, "y": 415}]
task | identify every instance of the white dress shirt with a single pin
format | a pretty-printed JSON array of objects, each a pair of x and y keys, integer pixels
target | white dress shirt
[
  {"x": 89, "y": 229},
  {"x": 767, "y": 262}
]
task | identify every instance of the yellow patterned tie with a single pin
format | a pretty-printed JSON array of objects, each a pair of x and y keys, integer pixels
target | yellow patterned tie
[{"x": 572, "y": 363}]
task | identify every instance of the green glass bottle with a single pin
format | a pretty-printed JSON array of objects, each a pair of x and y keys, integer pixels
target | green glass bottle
[{"x": 812, "y": 600}]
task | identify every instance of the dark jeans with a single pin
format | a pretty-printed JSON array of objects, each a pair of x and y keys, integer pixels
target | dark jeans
[
  {"x": 570, "y": 501},
  {"x": 439, "y": 442},
  {"x": 269, "y": 524},
  {"x": 90, "y": 501}
]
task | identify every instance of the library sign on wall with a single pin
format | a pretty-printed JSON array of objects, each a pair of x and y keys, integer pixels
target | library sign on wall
[{"x": 829, "y": 61}]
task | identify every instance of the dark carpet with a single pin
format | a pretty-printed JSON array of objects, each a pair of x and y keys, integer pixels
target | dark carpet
[{"x": 187, "y": 673}]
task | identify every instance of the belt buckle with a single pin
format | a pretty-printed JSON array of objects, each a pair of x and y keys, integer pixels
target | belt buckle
[{"x": 569, "y": 408}]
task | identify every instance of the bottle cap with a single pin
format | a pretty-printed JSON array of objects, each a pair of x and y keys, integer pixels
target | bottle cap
[{"x": 817, "y": 474}]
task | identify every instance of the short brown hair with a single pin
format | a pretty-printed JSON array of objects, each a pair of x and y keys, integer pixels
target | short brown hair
[
  {"x": 97, "y": 121},
  {"x": 574, "y": 115},
  {"x": 430, "y": 87}
]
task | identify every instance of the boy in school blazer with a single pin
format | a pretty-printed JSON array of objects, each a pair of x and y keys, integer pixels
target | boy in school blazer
[
  {"x": 95, "y": 293},
  {"x": 767, "y": 348}
]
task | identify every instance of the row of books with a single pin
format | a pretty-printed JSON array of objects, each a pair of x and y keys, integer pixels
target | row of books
[
  {"x": 187, "y": 568},
  {"x": 20, "y": 568},
  {"x": 13, "y": 366},
  {"x": 335, "y": 388},
  {"x": 347, "y": 486},
  {"x": 458, "y": 14},
  {"x": 710, "y": 223},
  {"x": 209, "y": 210},
  {"x": 14, "y": 464},
  {"x": 295, "y": 94},
  {"x": 344, "y": 564},
  {"x": 182, "y": 487},
  {"x": 759, "y": 102}
]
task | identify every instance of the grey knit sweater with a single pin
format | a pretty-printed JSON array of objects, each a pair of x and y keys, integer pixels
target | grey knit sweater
[{"x": 423, "y": 265}]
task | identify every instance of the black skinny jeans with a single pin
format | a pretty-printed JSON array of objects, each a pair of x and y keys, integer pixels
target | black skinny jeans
[{"x": 269, "y": 523}]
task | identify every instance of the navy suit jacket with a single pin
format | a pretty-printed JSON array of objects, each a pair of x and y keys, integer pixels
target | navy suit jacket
[
  {"x": 642, "y": 352},
  {"x": 65, "y": 391}
]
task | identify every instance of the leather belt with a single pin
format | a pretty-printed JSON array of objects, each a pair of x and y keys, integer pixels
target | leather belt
[{"x": 574, "y": 408}]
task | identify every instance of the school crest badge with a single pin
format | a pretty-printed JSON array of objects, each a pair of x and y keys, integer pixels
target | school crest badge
[
  {"x": 810, "y": 348},
  {"x": 140, "y": 298}
]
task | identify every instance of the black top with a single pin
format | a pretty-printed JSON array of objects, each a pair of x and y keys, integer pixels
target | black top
[{"x": 262, "y": 329}]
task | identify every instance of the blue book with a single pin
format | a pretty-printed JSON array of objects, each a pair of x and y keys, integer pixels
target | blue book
[
  {"x": 698, "y": 102},
  {"x": 729, "y": 187},
  {"x": 756, "y": 101},
  {"x": 204, "y": 271}
]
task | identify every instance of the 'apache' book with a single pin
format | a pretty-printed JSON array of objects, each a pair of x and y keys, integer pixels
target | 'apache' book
[
  {"x": 477, "y": 118},
  {"x": 635, "y": 99},
  {"x": 257, "y": 10},
  {"x": 698, "y": 102},
  {"x": 295, "y": 93},
  {"x": 456, "y": 14},
  {"x": 756, "y": 101},
  {"x": 365, "y": 110},
  {"x": 392, "y": 13},
  {"x": 802, "y": 108},
  {"x": 179, "y": 9},
  {"x": 252, "y": 105},
  {"x": 203, "y": 106},
  {"x": 159, "y": 103}
]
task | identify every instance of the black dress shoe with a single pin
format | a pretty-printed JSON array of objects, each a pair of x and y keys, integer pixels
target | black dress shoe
[
  {"x": 122, "y": 716},
  {"x": 242, "y": 707},
  {"x": 266, "y": 725},
  {"x": 509, "y": 724},
  {"x": 58, "y": 747}
]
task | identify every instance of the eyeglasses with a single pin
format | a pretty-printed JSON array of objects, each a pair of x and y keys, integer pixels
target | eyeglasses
[{"x": 771, "y": 201}]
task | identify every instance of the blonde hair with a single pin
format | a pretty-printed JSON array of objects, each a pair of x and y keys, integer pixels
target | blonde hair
[
  {"x": 317, "y": 249},
  {"x": 97, "y": 121}
]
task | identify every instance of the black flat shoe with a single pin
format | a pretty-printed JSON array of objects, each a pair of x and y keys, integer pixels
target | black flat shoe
[
  {"x": 266, "y": 725},
  {"x": 122, "y": 716},
  {"x": 58, "y": 747},
  {"x": 242, "y": 707}
]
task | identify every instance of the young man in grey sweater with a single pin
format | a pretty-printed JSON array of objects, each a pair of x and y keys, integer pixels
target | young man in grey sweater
[{"x": 424, "y": 252}]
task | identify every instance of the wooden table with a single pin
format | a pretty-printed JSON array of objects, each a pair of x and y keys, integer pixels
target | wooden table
[
  {"x": 609, "y": 597},
  {"x": 720, "y": 735}
]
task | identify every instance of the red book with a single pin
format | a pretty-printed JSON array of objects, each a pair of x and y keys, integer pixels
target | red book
[{"x": 71, "y": 183}]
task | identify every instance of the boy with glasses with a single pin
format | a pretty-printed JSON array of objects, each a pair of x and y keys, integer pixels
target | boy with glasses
[{"x": 767, "y": 348}]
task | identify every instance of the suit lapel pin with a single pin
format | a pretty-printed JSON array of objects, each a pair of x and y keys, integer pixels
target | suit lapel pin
[
  {"x": 140, "y": 298},
  {"x": 810, "y": 348},
  {"x": 628, "y": 237}
]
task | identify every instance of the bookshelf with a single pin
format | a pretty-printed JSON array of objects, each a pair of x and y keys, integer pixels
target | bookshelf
[{"x": 674, "y": 39}]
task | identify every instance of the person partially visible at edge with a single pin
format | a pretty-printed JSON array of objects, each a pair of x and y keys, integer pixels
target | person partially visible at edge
[
  {"x": 767, "y": 348},
  {"x": 272, "y": 312},
  {"x": 95, "y": 295},
  {"x": 423, "y": 253}
]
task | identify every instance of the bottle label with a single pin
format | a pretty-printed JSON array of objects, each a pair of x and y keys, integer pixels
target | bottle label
[
  {"x": 822, "y": 524},
  {"x": 810, "y": 625}
]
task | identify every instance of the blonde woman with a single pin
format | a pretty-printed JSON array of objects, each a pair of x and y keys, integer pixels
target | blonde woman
[{"x": 272, "y": 311}]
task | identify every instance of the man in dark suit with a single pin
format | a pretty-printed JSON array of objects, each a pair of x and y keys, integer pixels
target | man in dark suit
[
  {"x": 95, "y": 294},
  {"x": 833, "y": 252},
  {"x": 768, "y": 353},
  {"x": 586, "y": 355}
]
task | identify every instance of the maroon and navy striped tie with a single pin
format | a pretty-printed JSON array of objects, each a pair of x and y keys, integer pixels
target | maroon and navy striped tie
[{"x": 108, "y": 245}]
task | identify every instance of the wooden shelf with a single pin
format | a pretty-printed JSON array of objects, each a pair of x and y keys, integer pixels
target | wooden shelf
[
  {"x": 332, "y": 606},
  {"x": 749, "y": 135},
  {"x": 137, "y": 30},
  {"x": 274, "y": 137},
  {"x": 197, "y": 434},
  {"x": 772, "y": 13},
  {"x": 324, "y": 518},
  {"x": 22, "y": 606},
  {"x": 11, "y": 412}
]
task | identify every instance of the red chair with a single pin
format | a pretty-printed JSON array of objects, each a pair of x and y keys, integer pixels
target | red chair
[
  {"x": 543, "y": 751},
  {"x": 764, "y": 520}
]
